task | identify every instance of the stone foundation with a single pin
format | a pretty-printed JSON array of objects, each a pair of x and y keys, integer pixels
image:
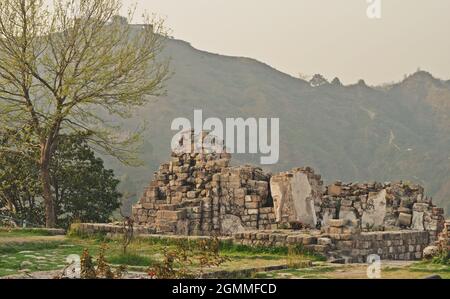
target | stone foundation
[
  {"x": 345, "y": 243},
  {"x": 353, "y": 248}
]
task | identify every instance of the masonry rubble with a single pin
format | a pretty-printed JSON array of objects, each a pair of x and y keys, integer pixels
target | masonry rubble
[
  {"x": 444, "y": 237},
  {"x": 200, "y": 194},
  {"x": 383, "y": 206}
]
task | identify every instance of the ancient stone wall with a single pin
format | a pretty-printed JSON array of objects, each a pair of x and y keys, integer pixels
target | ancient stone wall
[
  {"x": 383, "y": 206},
  {"x": 199, "y": 194},
  {"x": 345, "y": 243},
  {"x": 350, "y": 243},
  {"x": 444, "y": 237}
]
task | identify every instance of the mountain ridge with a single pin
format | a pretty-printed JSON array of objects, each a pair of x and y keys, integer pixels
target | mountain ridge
[{"x": 350, "y": 132}]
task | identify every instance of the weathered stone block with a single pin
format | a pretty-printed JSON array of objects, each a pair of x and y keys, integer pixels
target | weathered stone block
[
  {"x": 293, "y": 195},
  {"x": 252, "y": 211},
  {"x": 336, "y": 222},
  {"x": 171, "y": 215},
  {"x": 405, "y": 219}
]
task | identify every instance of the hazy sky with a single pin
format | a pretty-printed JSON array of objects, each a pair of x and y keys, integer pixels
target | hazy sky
[{"x": 331, "y": 37}]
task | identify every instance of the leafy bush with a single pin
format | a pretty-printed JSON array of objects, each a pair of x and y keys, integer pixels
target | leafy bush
[{"x": 99, "y": 269}]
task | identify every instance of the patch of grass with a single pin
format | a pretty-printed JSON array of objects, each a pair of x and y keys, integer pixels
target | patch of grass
[
  {"x": 391, "y": 269},
  {"x": 237, "y": 256},
  {"x": 244, "y": 250},
  {"x": 442, "y": 259},
  {"x": 131, "y": 259},
  {"x": 36, "y": 257},
  {"x": 228, "y": 247},
  {"x": 263, "y": 275},
  {"x": 9, "y": 248},
  {"x": 8, "y": 233},
  {"x": 429, "y": 267},
  {"x": 75, "y": 232},
  {"x": 312, "y": 272}
]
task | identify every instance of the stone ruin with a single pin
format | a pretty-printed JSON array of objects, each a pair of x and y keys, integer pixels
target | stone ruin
[
  {"x": 383, "y": 206},
  {"x": 200, "y": 194}
]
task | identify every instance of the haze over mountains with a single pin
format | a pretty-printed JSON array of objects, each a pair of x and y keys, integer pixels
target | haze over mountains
[{"x": 349, "y": 133}]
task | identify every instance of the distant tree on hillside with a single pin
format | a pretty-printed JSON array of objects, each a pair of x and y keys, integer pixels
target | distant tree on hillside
[
  {"x": 64, "y": 70},
  {"x": 318, "y": 80},
  {"x": 336, "y": 82}
]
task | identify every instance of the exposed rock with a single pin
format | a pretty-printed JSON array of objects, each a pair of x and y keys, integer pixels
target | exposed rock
[
  {"x": 375, "y": 211},
  {"x": 404, "y": 219},
  {"x": 430, "y": 252},
  {"x": 417, "y": 221},
  {"x": 294, "y": 194},
  {"x": 347, "y": 214},
  {"x": 230, "y": 225}
]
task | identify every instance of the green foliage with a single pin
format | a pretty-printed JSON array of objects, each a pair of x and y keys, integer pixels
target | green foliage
[
  {"x": 101, "y": 268},
  {"x": 296, "y": 258},
  {"x": 87, "y": 266},
  {"x": 442, "y": 259},
  {"x": 205, "y": 253},
  {"x": 68, "y": 79},
  {"x": 84, "y": 190},
  {"x": 75, "y": 232}
]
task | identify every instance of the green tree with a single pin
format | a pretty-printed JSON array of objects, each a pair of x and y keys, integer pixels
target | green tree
[
  {"x": 66, "y": 69},
  {"x": 19, "y": 185},
  {"x": 84, "y": 190}
]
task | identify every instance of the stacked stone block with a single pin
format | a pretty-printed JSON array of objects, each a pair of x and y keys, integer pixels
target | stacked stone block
[
  {"x": 382, "y": 206},
  {"x": 244, "y": 194},
  {"x": 199, "y": 194},
  {"x": 444, "y": 237}
]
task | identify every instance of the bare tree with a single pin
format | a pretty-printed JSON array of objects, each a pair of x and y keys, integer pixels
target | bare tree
[{"x": 67, "y": 68}]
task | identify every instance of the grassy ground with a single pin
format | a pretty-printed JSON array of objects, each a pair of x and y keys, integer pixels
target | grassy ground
[
  {"x": 32, "y": 251},
  {"x": 391, "y": 270},
  {"x": 4, "y": 233}
]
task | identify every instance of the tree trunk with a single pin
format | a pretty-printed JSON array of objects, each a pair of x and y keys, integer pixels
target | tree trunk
[{"x": 50, "y": 217}]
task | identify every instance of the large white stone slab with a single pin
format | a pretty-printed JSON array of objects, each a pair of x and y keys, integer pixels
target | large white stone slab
[
  {"x": 292, "y": 197},
  {"x": 375, "y": 211}
]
